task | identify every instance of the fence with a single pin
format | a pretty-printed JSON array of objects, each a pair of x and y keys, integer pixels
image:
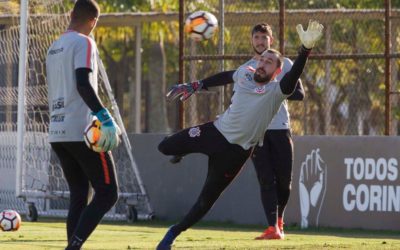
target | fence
[
  {"x": 346, "y": 80},
  {"x": 350, "y": 79}
]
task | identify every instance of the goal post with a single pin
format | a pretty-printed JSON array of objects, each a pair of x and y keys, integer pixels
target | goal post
[
  {"x": 23, "y": 41},
  {"x": 30, "y": 168}
]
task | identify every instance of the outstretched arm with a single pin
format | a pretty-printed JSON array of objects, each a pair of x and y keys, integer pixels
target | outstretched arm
[
  {"x": 185, "y": 90},
  {"x": 219, "y": 79},
  {"x": 299, "y": 93},
  {"x": 289, "y": 81},
  {"x": 308, "y": 39}
]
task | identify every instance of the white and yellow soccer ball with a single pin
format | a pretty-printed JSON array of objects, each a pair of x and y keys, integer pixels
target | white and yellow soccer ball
[
  {"x": 201, "y": 25},
  {"x": 10, "y": 220},
  {"x": 92, "y": 134}
]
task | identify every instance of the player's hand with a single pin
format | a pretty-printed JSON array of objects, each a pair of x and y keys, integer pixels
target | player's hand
[
  {"x": 313, "y": 33},
  {"x": 109, "y": 138},
  {"x": 184, "y": 90}
]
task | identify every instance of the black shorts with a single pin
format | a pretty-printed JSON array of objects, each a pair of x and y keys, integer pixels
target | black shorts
[
  {"x": 79, "y": 163},
  {"x": 273, "y": 161},
  {"x": 206, "y": 139}
]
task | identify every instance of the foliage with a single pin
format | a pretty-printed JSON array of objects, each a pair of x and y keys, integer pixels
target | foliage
[
  {"x": 9, "y": 7},
  {"x": 343, "y": 96}
]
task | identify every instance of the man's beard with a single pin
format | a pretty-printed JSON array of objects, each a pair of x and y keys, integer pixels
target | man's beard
[
  {"x": 258, "y": 53},
  {"x": 262, "y": 79}
]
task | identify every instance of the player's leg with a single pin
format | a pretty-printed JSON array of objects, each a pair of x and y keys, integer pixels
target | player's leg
[
  {"x": 190, "y": 140},
  {"x": 283, "y": 161},
  {"x": 262, "y": 160},
  {"x": 100, "y": 170},
  {"x": 223, "y": 168},
  {"x": 78, "y": 185}
]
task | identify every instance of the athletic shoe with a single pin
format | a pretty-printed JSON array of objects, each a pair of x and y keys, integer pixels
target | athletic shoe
[
  {"x": 176, "y": 159},
  {"x": 280, "y": 226},
  {"x": 271, "y": 233},
  {"x": 167, "y": 241}
]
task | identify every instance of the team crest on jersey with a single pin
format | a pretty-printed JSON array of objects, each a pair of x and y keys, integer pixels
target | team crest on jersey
[
  {"x": 194, "y": 132},
  {"x": 260, "y": 90}
]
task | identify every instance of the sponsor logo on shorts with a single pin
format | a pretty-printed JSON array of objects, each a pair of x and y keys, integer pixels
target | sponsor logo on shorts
[{"x": 194, "y": 132}]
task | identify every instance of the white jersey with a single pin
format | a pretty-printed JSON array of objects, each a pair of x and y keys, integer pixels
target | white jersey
[
  {"x": 251, "y": 111},
  {"x": 282, "y": 119},
  {"x": 69, "y": 115}
]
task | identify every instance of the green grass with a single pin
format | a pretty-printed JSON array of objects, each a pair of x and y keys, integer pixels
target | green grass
[{"x": 50, "y": 234}]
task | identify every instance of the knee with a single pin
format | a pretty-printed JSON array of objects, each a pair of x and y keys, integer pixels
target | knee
[
  {"x": 113, "y": 196},
  {"x": 163, "y": 147},
  {"x": 266, "y": 184},
  {"x": 79, "y": 193},
  {"x": 285, "y": 184},
  {"x": 108, "y": 196}
]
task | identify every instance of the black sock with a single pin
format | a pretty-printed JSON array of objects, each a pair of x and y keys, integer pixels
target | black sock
[{"x": 75, "y": 243}]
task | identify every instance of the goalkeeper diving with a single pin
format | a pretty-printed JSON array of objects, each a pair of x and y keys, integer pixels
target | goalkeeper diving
[{"x": 229, "y": 140}]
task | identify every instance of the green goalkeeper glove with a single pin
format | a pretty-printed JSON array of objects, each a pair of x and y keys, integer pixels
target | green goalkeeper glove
[
  {"x": 109, "y": 138},
  {"x": 313, "y": 33}
]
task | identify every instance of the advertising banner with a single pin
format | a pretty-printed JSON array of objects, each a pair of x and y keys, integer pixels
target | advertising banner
[{"x": 348, "y": 182}]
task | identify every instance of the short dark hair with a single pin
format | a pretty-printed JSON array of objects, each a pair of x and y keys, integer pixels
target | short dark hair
[
  {"x": 280, "y": 57},
  {"x": 85, "y": 10},
  {"x": 263, "y": 28}
]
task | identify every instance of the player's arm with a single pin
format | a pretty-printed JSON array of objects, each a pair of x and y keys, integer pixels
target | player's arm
[
  {"x": 289, "y": 81},
  {"x": 84, "y": 63},
  {"x": 86, "y": 90},
  {"x": 185, "y": 90},
  {"x": 299, "y": 93},
  {"x": 219, "y": 79},
  {"x": 109, "y": 128},
  {"x": 308, "y": 39}
]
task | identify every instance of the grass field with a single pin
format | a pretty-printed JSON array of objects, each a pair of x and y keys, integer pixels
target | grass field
[{"x": 145, "y": 235}]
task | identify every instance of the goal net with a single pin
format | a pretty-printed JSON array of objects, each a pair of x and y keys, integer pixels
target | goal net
[{"x": 32, "y": 179}]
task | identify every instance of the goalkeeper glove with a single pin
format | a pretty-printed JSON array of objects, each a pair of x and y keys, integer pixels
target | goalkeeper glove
[
  {"x": 109, "y": 137},
  {"x": 313, "y": 33},
  {"x": 185, "y": 90}
]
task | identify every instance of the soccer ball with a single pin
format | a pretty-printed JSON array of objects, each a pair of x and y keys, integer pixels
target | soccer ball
[
  {"x": 201, "y": 25},
  {"x": 10, "y": 220},
  {"x": 92, "y": 134}
]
